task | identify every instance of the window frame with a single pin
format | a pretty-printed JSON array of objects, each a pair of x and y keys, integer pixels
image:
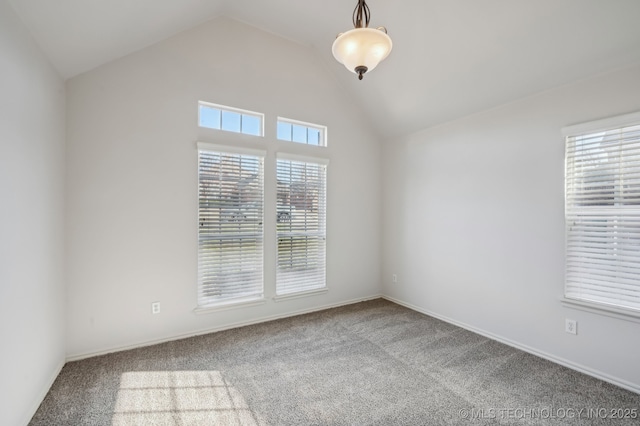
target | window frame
[
  {"x": 321, "y": 129},
  {"x": 270, "y": 149},
  {"x": 224, "y": 108},
  {"x": 206, "y": 305},
  {"x": 322, "y": 223},
  {"x": 575, "y": 131}
]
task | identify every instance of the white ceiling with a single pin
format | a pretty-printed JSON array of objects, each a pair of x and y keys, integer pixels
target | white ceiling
[{"x": 450, "y": 57}]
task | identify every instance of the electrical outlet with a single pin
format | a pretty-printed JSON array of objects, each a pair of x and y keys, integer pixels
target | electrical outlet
[
  {"x": 155, "y": 308},
  {"x": 395, "y": 278},
  {"x": 571, "y": 326}
]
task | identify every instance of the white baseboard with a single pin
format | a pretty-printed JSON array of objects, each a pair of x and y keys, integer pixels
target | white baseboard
[
  {"x": 633, "y": 387},
  {"x": 76, "y": 357},
  {"x": 43, "y": 393}
]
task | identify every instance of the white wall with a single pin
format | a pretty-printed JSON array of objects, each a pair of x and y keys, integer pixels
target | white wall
[
  {"x": 31, "y": 222},
  {"x": 473, "y": 224},
  {"x": 132, "y": 181}
]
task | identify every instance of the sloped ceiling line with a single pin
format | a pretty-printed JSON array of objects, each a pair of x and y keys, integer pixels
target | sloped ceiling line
[{"x": 450, "y": 58}]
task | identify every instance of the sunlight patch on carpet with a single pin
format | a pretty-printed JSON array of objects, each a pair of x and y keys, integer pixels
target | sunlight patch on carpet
[{"x": 179, "y": 398}]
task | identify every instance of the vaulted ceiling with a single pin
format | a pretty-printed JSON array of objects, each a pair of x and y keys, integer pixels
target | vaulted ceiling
[{"x": 450, "y": 58}]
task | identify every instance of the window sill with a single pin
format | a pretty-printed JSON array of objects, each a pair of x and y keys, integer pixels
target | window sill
[
  {"x": 228, "y": 305},
  {"x": 601, "y": 309},
  {"x": 289, "y": 296}
]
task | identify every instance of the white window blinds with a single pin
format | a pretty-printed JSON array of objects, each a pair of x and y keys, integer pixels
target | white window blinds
[
  {"x": 230, "y": 237},
  {"x": 603, "y": 216},
  {"x": 301, "y": 224}
]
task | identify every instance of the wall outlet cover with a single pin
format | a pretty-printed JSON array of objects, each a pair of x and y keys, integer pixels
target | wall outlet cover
[{"x": 571, "y": 326}]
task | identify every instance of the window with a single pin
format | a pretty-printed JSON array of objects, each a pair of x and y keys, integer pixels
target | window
[
  {"x": 230, "y": 119},
  {"x": 230, "y": 216},
  {"x": 602, "y": 212},
  {"x": 301, "y": 224},
  {"x": 297, "y": 131}
]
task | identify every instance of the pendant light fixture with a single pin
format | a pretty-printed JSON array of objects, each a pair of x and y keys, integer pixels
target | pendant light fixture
[{"x": 362, "y": 48}]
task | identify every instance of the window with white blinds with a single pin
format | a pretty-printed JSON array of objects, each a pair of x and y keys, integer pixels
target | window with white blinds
[
  {"x": 230, "y": 215},
  {"x": 301, "y": 224},
  {"x": 602, "y": 211}
]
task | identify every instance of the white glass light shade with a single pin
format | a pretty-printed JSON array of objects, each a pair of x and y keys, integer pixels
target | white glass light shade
[{"x": 361, "y": 47}]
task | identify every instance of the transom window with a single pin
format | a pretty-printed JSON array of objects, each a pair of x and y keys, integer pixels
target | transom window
[
  {"x": 297, "y": 131},
  {"x": 230, "y": 119}
]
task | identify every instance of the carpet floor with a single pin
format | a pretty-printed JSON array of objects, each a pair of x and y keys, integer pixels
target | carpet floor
[{"x": 371, "y": 363}]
